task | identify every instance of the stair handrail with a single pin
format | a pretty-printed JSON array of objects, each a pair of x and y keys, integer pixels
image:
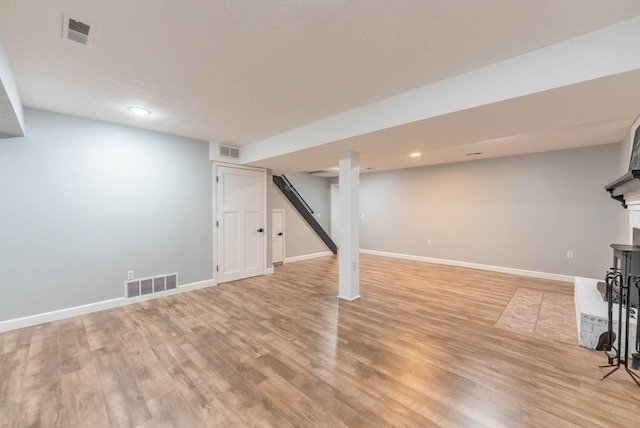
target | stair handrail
[
  {"x": 301, "y": 206},
  {"x": 295, "y": 192}
]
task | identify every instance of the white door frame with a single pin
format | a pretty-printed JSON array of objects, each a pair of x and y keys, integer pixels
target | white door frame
[
  {"x": 282, "y": 211},
  {"x": 216, "y": 165}
]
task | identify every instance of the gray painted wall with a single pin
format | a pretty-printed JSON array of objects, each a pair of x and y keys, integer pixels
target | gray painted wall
[
  {"x": 85, "y": 201},
  {"x": 11, "y": 113},
  {"x": 521, "y": 212},
  {"x": 300, "y": 239},
  {"x": 316, "y": 192}
]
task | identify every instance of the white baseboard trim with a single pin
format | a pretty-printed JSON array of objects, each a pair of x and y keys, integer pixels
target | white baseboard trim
[
  {"x": 501, "y": 269},
  {"x": 269, "y": 271},
  {"x": 31, "y": 320},
  {"x": 307, "y": 256}
]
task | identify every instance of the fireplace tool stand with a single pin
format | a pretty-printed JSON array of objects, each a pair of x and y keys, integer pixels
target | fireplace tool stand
[
  {"x": 608, "y": 338},
  {"x": 621, "y": 358}
]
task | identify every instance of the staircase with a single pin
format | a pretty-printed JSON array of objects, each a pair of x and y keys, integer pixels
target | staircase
[{"x": 304, "y": 209}]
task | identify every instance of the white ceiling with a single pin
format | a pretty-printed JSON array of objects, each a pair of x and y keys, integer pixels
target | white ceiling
[{"x": 239, "y": 72}]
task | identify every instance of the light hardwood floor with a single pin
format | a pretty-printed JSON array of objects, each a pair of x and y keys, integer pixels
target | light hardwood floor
[{"x": 418, "y": 349}]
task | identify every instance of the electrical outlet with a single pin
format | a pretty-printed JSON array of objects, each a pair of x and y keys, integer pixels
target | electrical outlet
[
  {"x": 130, "y": 274},
  {"x": 428, "y": 241},
  {"x": 569, "y": 254}
]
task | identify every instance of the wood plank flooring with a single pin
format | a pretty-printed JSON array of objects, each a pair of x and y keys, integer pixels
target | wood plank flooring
[{"x": 418, "y": 349}]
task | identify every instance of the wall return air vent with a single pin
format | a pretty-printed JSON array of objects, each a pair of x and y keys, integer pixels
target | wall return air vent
[
  {"x": 76, "y": 30},
  {"x": 154, "y": 284}
]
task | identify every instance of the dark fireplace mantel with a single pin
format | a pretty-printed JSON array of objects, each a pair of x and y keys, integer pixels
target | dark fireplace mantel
[{"x": 628, "y": 183}]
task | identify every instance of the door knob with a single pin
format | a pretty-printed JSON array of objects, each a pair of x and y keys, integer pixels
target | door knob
[
  {"x": 279, "y": 233},
  {"x": 261, "y": 230}
]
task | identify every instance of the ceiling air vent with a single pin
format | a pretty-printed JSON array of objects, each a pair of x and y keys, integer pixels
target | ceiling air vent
[
  {"x": 221, "y": 153},
  {"x": 229, "y": 152},
  {"x": 76, "y": 30}
]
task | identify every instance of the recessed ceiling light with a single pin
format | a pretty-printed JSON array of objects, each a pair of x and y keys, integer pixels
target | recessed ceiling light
[
  {"x": 140, "y": 111},
  {"x": 415, "y": 154}
]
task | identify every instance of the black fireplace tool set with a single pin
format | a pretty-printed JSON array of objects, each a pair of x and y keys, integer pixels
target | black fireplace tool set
[{"x": 607, "y": 339}]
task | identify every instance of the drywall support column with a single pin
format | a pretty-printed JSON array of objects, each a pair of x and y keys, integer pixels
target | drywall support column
[{"x": 349, "y": 248}]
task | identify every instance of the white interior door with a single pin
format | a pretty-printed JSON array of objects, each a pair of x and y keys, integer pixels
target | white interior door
[
  {"x": 277, "y": 236},
  {"x": 241, "y": 220}
]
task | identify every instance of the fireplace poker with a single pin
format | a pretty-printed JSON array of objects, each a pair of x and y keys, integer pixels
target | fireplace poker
[{"x": 635, "y": 358}]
